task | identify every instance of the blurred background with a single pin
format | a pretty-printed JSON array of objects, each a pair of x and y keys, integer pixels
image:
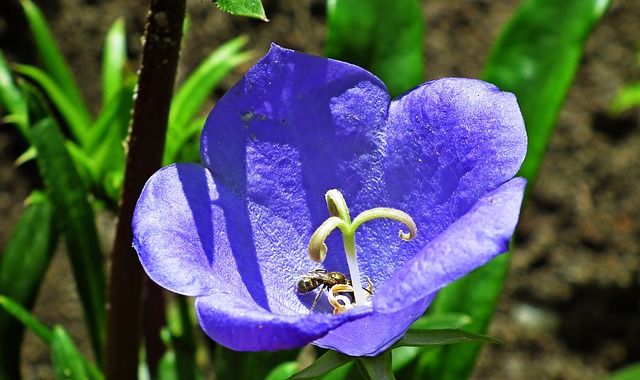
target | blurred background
[{"x": 571, "y": 305}]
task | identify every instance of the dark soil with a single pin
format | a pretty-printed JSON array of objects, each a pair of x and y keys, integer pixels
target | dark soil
[{"x": 571, "y": 306}]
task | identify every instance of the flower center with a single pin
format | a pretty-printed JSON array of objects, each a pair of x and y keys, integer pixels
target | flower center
[{"x": 340, "y": 219}]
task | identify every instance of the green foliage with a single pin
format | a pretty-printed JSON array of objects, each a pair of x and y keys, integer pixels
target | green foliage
[
  {"x": 77, "y": 223},
  {"x": 384, "y": 39},
  {"x": 536, "y": 58},
  {"x": 631, "y": 372},
  {"x": 68, "y": 363},
  {"x": 628, "y": 97},
  {"x": 248, "y": 8},
  {"x": 23, "y": 265},
  {"x": 88, "y": 164}
]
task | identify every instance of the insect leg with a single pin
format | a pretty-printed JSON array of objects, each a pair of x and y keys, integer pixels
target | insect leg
[{"x": 315, "y": 300}]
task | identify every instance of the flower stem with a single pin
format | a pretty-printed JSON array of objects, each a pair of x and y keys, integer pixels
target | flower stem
[{"x": 163, "y": 34}]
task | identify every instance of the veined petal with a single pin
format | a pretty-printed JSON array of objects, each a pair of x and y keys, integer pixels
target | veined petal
[
  {"x": 448, "y": 143},
  {"x": 470, "y": 242},
  {"x": 171, "y": 235},
  {"x": 243, "y": 326},
  {"x": 295, "y": 127}
]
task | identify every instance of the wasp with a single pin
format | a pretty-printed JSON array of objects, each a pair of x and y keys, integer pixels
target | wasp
[{"x": 320, "y": 278}]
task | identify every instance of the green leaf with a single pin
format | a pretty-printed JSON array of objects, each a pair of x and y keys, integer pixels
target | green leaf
[
  {"x": 74, "y": 116},
  {"x": 53, "y": 60},
  {"x": 377, "y": 367},
  {"x": 536, "y": 57},
  {"x": 628, "y": 97},
  {"x": 442, "y": 321},
  {"x": 383, "y": 38},
  {"x": 248, "y": 8},
  {"x": 283, "y": 371},
  {"x": 11, "y": 98},
  {"x": 190, "y": 148},
  {"x": 631, "y": 372},
  {"x": 105, "y": 143},
  {"x": 21, "y": 314},
  {"x": 325, "y": 364},
  {"x": 22, "y": 268},
  {"x": 48, "y": 336},
  {"x": 114, "y": 58},
  {"x": 180, "y": 359},
  {"x": 67, "y": 361},
  {"x": 77, "y": 221},
  {"x": 477, "y": 295},
  {"x": 248, "y": 365},
  {"x": 441, "y": 337},
  {"x": 194, "y": 92}
]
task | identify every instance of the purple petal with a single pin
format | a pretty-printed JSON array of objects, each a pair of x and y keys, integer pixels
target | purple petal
[
  {"x": 174, "y": 250},
  {"x": 294, "y": 127},
  {"x": 473, "y": 240},
  {"x": 449, "y": 142},
  {"x": 240, "y": 325},
  {"x": 372, "y": 334}
]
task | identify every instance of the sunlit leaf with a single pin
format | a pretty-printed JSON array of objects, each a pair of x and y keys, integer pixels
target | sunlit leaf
[
  {"x": 51, "y": 57},
  {"x": 114, "y": 58},
  {"x": 631, "y": 372},
  {"x": 248, "y": 8},
  {"x": 74, "y": 116},
  {"x": 11, "y": 98}
]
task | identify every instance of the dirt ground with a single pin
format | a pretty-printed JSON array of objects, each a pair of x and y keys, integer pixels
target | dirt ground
[{"x": 571, "y": 306}]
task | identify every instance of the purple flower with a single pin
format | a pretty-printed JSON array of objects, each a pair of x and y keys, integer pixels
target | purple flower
[{"x": 234, "y": 232}]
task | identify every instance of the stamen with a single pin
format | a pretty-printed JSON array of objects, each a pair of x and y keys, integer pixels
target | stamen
[
  {"x": 340, "y": 303},
  {"x": 340, "y": 219},
  {"x": 389, "y": 213}
]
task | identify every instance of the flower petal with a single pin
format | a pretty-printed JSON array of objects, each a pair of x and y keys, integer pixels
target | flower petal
[
  {"x": 449, "y": 142},
  {"x": 242, "y": 326},
  {"x": 173, "y": 248},
  {"x": 372, "y": 334},
  {"x": 294, "y": 127},
  {"x": 473, "y": 240}
]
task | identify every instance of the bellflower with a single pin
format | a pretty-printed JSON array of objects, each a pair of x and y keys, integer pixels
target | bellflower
[{"x": 234, "y": 232}]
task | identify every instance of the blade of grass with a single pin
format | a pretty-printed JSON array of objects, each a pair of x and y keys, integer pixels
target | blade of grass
[
  {"x": 77, "y": 221},
  {"x": 65, "y": 358},
  {"x": 77, "y": 121},
  {"x": 22, "y": 268},
  {"x": 48, "y": 336},
  {"x": 384, "y": 39},
  {"x": 11, "y": 98},
  {"x": 51, "y": 57},
  {"x": 536, "y": 57},
  {"x": 113, "y": 60},
  {"x": 21, "y": 314}
]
